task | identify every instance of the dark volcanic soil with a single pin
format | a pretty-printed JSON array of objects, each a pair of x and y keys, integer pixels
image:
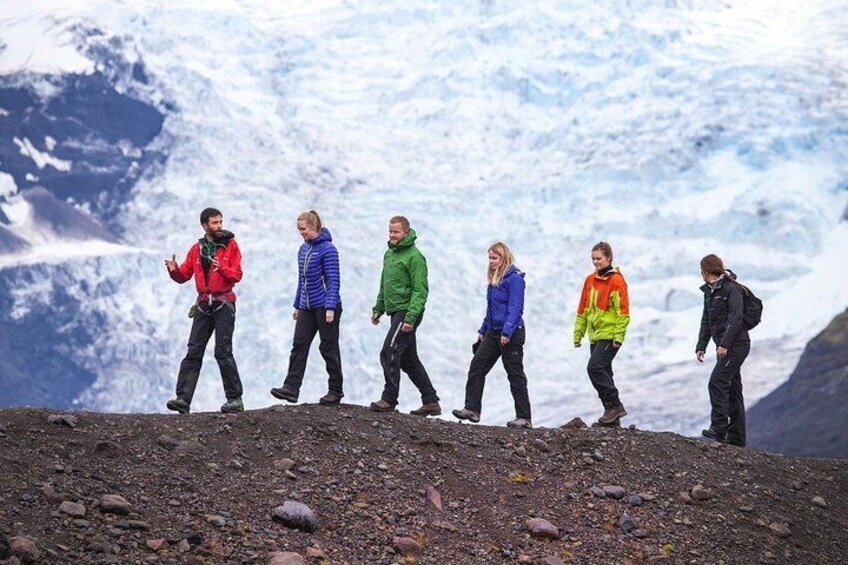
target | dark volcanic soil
[{"x": 202, "y": 488}]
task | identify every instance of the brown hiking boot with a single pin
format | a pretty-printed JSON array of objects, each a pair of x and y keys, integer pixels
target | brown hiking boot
[
  {"x": 284, "y": 393},
  {"x": 520, "y": 423},
  {"x": 429, "y": 409},
  {"x": 466, "y": 414},
  {"x": 330, "y": 399},
  {"x": 381, "y": 406},
  {"x": 612, "y": 414}
]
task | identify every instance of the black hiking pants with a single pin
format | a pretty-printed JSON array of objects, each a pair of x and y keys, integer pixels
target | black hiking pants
[
  {"x": 512, "y": 357},
  {"x": 600, "y": 372},
  {"x": 219, "y": 318},
  {"x": 727, "y": 418},
  {"x": 310, "y": 322},
  {"x": 401, "y": 353}
]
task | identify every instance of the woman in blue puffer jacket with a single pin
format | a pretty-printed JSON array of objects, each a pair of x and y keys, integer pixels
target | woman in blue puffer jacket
[
  {"x": 501, "y": 335},
  {"x": 317, "y": 309}
]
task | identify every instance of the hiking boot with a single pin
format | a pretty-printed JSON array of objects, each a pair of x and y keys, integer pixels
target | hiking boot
[
  {"x": 710, "y": 433},
  {"x": 330, "y": 399},
  {"x": 234, "y": 405},
  {"x": 612, "y": 414},
  {"x": 466, "y": 414},
  {"x": 429, "y": 409},
  {"x": 381, "y": 406},
  {"x": 285, "y": 393},
  {"x": 178, "y": 405},
  {"x": 520, "y": 423}
]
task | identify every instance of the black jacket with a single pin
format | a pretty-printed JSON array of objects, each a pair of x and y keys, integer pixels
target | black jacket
[{"x": 722, "y": 318}]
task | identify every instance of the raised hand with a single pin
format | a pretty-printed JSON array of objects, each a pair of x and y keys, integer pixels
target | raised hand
[{"x": 171, "y": 264}]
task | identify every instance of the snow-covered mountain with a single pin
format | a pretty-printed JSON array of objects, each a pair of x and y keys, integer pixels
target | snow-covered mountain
[{"x": 670, "y": 129}]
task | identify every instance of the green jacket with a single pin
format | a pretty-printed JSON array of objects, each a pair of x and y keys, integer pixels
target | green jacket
[{"x": 403, "y": 283}]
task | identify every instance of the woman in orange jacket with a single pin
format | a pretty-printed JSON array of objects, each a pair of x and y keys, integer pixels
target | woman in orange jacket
[{"x": 603, "y": 313}]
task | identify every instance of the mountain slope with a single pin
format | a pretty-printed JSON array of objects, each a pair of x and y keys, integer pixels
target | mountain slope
[
  {"x": 807, "y": 414},
  {"x": 202, "y": 489}
]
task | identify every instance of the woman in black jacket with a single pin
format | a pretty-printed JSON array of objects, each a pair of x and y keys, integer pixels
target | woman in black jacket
[{"x": 724, "y": 305}]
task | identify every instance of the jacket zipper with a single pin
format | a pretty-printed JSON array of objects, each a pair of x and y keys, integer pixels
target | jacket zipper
[{"x": 305, "y": 272}]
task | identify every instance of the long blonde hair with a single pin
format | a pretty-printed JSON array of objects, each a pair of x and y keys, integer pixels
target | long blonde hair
[{"x": 500, "y": 249}]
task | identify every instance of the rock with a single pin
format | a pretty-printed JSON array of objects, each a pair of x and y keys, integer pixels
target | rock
[
  {"x": 24, "y": 549},
  {"x": 296, "y": 515},
  {"x": 168, "y": 442},
  {"x": 315, "y": 552},
  {"x": 138, "y": 525},
  {"x": 107, "y": 449},
  {"x": 67, "y": 420},
  {"x": 80, "y": 523},
  {"x": 285, "y": 558},
  {"x": 284, "y": 464},
  {"x": 155, "y": 544},
  {"x": 551, "y": 560},
  {"x": 614, "y": 491},
  {"x": 646, "y": 496},
  {"x": 684, "y": 498},
  {"x": 541, "y": 528},
  {"x": 442, "y": 525},
  {"x": 641, "y": 533},
  {"x": 573, "y": 424},
  {"x": 634, "y": 501},
  {"x": 598, "y": 491},
  {"x": 698, "y": 492},
  {"x": 597, "y": 455},
  {"x": 626, "y": 523},
  {"x": 217, "y": 521},
  {"x": 746, "y": 508},
  {"x": 72, "y": 509},
  {"x": 183, "y": 546},
  {"x": 433, "y": 496},
  {"x": 407, "y": 546},
  {"x": 114, "y": 504},
  {"x": 780, "y": 530},
  {"x": 541, "y": 445},
  {"x": 521, "y": 451},
  {"x": 187, "y": 447},
  {"x": 819, "y": 501}
]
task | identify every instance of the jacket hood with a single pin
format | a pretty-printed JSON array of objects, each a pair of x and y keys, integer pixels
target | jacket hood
[
  {"x": 408, "y": 241},
  {"x": 513, "y": 270},
  {"x": 608, "y": 274},
  {"x": 223, "y": 241},
  {"x": 728, "y": 274},
  {"x": 322, "y": 237}
]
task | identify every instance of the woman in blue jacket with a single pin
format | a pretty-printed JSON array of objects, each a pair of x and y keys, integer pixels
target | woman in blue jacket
[
  {"x": 317, "y": 309},
  {"x": 501, "y": 335}
]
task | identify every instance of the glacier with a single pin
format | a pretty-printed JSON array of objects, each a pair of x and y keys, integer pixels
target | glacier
[{"x": 671, "y": 129}]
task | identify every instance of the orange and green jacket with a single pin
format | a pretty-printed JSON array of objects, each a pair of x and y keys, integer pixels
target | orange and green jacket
[{"x": 604, "y": 309}]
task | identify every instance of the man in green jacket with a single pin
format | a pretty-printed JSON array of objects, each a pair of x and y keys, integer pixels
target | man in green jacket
[{"x": 403, "y": 294}]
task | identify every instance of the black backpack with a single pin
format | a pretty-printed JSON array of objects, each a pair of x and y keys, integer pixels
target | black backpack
[{"x": 752, "y": 309}]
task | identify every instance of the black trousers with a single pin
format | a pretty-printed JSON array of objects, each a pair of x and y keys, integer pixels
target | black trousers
[
  {"x": 401, "y": 353},
  {"x": 310, "y": 322},
  {"x": 219, "y": 318},
  {"x": 600, "y": 372},
  {"x": 728, "y": 406},
  {"x": 512, "y": 357}
]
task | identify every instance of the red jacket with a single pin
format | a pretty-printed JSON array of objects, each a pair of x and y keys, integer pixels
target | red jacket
[{"x": 220, "y": 282}]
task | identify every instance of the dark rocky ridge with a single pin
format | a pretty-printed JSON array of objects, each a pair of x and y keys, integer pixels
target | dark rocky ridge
[
  {"x": 808, "y": 414},
  {"x": 203, "y": 488}
]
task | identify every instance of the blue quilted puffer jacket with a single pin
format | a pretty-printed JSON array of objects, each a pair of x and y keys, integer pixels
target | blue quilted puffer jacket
[{"x": 318, "y": 274}]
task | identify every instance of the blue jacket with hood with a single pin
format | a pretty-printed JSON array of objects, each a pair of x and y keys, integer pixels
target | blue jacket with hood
[
  {"x": 505, "y": 304},
  {"x": 318, "y": 278}
]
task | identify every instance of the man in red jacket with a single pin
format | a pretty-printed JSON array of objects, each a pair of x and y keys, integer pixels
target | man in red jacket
[{"x": 215, "y": 263}]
